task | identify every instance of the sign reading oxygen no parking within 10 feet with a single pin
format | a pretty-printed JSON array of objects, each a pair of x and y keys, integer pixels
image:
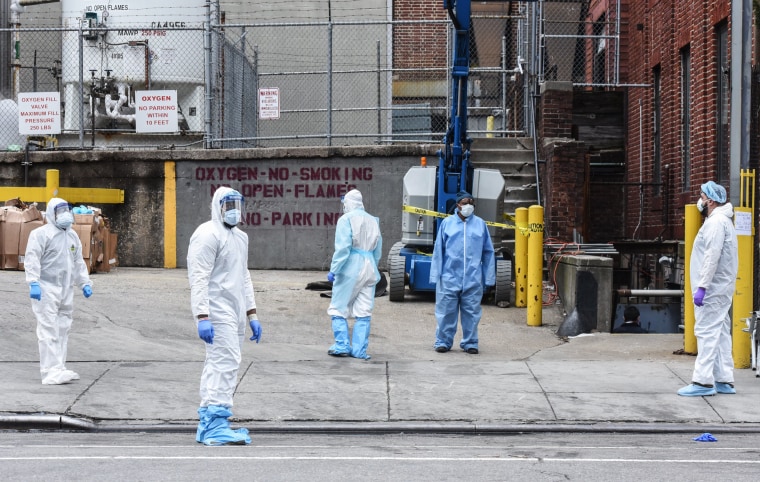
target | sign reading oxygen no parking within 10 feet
[{"x": 156, "y": 111}]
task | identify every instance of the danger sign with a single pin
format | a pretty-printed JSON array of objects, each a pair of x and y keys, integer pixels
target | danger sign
[{"x": 269, "y": 103}]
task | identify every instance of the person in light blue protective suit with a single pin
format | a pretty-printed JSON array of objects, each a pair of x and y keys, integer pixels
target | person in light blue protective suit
[
  {"x": 54, "y": 265},
  {"x": 222, "y": 298},
  {"x": 354, "y": 274},
  {"x": 714, "y": 266},
  {"x": 463, "y": 262}
]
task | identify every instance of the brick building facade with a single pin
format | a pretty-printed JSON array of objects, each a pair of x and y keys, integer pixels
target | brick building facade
[{"x": 678, "y": 129}]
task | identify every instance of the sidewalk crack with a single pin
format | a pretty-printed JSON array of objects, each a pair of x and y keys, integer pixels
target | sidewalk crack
[
  {"x": 84, "y": 392},
  {"x": 546, "y": 395}
]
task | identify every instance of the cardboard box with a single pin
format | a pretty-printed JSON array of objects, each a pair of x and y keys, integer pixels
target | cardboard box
[
  {"x": 84, "y": 219},
  {"x": 26, "y": 229},
  {"x": 11, "y": 219},
  {"x": 86, "y": 233},
  {"x": 101, "y": 262},
  {"x": 113, "y": 258}
]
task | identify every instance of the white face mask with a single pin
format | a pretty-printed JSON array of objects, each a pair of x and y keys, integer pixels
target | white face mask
[
  {"x": 64, "y": 220},
  {"x": 701, "y": 205},
  {"x": 467, "y": 210},
  {"x": 232, "y": 217}
]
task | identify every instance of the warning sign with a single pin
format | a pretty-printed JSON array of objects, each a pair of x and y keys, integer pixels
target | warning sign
[
  {"x": 269, "y": 103},
  {"x": 39, "y": 113},
  {"x": 156, "y": 111}
]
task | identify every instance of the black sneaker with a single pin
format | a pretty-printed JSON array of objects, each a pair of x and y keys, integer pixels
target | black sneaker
[
  {"x": 441, "y": 349},
  {"x": 472, "y": 350},
  {"x": 335, "y": 353}
]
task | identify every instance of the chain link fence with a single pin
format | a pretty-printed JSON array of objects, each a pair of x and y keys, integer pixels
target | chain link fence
[
  {"x": 579, "y": 44},
  {"x": 284, "y": 84}
]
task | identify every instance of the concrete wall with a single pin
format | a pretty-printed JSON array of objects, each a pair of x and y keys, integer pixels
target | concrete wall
[{"x": 292, "y": 195}]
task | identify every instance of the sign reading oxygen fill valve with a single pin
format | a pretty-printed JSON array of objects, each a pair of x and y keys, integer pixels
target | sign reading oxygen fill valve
[
  {"x": 156, "y": 111},
  {"x": 39, "y": 113}
]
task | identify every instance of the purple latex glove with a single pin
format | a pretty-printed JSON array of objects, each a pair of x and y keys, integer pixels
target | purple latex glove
[
  {"x": 331, "y": 277},
  {"x": 699, "y": 297}
]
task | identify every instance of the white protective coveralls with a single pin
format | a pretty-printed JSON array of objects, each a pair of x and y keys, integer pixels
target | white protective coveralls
[
  {"x": 53, "y": 258},
  {"x": 463, "y": 261},
  {"x": 220, "y": 287},
  {"x": 358, "y": 247},
  {"x": 714, "y": 266}
]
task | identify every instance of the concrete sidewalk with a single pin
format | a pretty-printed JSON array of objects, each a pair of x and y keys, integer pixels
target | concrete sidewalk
[{"x": 135, "y": 345}]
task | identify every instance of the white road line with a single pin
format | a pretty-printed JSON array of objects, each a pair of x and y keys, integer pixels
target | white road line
[{"x": 386, "y": 458}]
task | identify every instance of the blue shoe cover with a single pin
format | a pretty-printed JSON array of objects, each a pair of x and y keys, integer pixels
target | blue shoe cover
[
  {"x": 693, "y": 390},
  {"x": 218, "y": 431},
  {"x": 201, "y": 424},
  {"x": 705, "y": 437},
  {"x": 724, "y": 388},
  {"x": 337, "y": 350},
  {"x": 360, "y": 338}
]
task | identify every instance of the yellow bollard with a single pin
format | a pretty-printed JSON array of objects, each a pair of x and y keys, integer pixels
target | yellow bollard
[
  {"x": 692, "y": 222},
  {"x": 170, "y": 215},
  {"x": 535, "y": 265},
  {"x": 743, "y": 299},
  {"x": 521, "y": 257},
  {"x": 489, "y": 126},
  {"x": 52, "y": 183}
]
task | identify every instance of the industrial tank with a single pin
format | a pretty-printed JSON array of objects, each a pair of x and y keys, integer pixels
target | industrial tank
[{"x": 132, "y": 45}]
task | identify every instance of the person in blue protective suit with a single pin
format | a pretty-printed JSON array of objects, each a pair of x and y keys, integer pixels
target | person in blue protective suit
[
  {"x": 54, "y": 265},
  {"x": 463, "y": 262},
  {"x": 222, "y": 299},
  {"x": 714, "y": 267},
  {"x": 354, "y": 274}
]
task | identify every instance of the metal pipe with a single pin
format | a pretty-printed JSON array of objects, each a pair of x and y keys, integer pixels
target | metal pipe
[
  {"x": 208, "y": 77},
  {"x": 379, "y": 94},
  {"x": 678, "y": 293},
  {"x": 329, "y": 82}
]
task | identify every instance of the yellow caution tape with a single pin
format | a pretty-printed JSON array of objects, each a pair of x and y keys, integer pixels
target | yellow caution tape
[{"x": 436, "y": 214}]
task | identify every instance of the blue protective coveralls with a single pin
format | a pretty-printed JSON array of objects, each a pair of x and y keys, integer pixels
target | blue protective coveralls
[
  {"x": 358, "y": 247},
  {"x": 714, "y": 266},
  {"x": 220, "y": 287},
  {"x": 463, "y": 261},
  {"x": 53, "y": 258}
]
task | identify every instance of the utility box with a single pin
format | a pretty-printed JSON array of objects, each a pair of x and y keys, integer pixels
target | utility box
[{"x": 585, "y": 283}]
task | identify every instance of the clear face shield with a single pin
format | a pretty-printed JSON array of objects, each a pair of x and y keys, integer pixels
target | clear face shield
[
  {"x": 62, "y": 208},
  {"x": 63, "y": 218},
  {"x": 232, "y": 209}
]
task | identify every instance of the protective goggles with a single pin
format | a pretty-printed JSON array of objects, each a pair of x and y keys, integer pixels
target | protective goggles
[
  {"x": 62, "y": 208},
  {"x": 232, "y": 201}
]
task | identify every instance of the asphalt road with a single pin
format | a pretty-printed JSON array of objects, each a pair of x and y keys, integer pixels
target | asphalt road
[{"x": 298, "y": 457}]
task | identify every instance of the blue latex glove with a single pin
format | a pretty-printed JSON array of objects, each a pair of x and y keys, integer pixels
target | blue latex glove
[
  {"x": 699, "y": 297},
  {"x": 206, "y": 331},
  {"x": 255, "y": 328},
  {"x": 331, "y": 277},
  {"x": 35, "y": 292},
  {"x": 87, "y": 291}
]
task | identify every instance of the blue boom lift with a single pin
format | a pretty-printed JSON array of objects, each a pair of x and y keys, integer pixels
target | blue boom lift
[{"x": 430, "y": 189}]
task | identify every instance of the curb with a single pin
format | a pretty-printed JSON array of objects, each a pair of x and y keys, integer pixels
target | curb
[{"x": 66, "y": 423}]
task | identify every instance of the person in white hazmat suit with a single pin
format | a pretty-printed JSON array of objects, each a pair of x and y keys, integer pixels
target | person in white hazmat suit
[
  {"x": 53, "y": 264},
  {"x": 222, "y": 298},
  {"x": 354, "y": 274},
  {"x": 714, "y": 266}
]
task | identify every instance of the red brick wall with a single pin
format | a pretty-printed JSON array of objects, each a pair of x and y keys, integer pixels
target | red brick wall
[
  {"x": 666, "y": 27},
  {"x": 564, "y": 189},
  {"x": 419, "y": 45}
]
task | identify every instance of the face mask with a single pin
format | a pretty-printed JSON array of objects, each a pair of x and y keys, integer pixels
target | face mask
[
  {"x": 64, "y": 220},
  {"x": 232, "y": 217},
  {"x": 701, "y": 206},
  {"x": 467, "y": 210}
]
